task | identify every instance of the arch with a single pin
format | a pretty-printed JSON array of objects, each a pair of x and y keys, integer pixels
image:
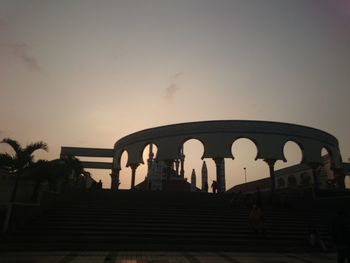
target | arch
[
  {"x": 292, "y": 181},
  {"x": 145, "y": 151},
  {"x": 251, "y": 140},
  {"x": 193, "y": 150},
  {"x": 217, "y": 138},
  {"x": 326, "y": 155},
  {"x": 187, "y": 139},
  {"x": 292, "y": 154},
  {"x": 124, "y": 174},
  {"x": 122, "y": 152},
  {"x": 245, "y": 166}
]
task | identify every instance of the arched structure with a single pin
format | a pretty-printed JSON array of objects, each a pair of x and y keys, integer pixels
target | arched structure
[{"x": 217, "y": 138}]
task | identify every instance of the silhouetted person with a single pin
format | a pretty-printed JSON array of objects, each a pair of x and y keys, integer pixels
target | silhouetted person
[
  {"x": 99, "y": 185},
  {"x": 214, "y": 186},
  {"x": 315, "y": 239},
  {"x": 256, "y": 221},
  {"x": 341, "y": 237}
]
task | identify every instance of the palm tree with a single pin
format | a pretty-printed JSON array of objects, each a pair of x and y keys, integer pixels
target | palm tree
[{"x": 20, "y": 161}]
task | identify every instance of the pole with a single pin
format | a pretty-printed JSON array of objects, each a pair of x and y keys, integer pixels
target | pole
[{"x": 245, "y": 174}]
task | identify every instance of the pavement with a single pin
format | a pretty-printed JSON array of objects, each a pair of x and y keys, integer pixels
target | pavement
[{"x": 162, "y": 257}]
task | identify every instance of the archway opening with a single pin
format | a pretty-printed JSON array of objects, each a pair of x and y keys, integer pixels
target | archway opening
[
  {"x": 147, "y": 157},
  {"x": 193, "y": 149},
  {"x": 125, "y": 172},
  {"x": 244, "y": 168},
  {"x": 293, "y": 154},
  {"x": 327, "y": 176}
]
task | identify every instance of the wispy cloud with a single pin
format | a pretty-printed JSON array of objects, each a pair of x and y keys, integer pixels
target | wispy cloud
[
  {"x": 21, "y": 51},
  {"x": 171, "y": 90},
  {"x": 18, "y": 50}
]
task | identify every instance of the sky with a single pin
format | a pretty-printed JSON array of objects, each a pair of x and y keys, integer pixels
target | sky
[{"x": 86, "y": 73}]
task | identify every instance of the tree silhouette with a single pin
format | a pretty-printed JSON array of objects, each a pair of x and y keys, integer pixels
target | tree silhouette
[{"x": 20, "y": 161}]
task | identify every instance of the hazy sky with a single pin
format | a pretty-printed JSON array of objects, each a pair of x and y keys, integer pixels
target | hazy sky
[{"x": 86, "y": 73}]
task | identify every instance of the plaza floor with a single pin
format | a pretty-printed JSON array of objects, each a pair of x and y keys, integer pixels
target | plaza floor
[{"x": 163, "y": 257}]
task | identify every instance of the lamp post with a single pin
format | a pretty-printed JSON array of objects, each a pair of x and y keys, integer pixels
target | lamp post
[{"x": 245, "y": 174}]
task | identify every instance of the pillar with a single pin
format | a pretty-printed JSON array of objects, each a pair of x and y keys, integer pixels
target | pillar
[
  {"x": 150, "y": 158},
  {"x": 271, "y": 164},
  {"x": 133, "y": 174},
  {"x": 182, "y": 164},
  {"x": 115, "y": 179},
  {"x": 177, "y": 163},
  {"x": 316, "y": 169},
  {"x": 220, "y": 174},
  {"x": 340, "y": 178}
]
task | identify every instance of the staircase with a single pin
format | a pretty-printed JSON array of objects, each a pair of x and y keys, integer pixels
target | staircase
[{"x": 127, "y": 220}]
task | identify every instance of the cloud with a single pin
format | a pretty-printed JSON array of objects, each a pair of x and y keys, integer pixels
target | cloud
[
  {"x": 170, "y": 92},
  {"x": 21, "y": 52},
  {"x": 177, "y": 75}
]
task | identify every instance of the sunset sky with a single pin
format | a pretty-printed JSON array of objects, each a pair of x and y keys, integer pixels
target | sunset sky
[{"x": 86, "y": 73}]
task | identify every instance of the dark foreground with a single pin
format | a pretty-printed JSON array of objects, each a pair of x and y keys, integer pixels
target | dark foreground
[{"x": 156, "y": 221}]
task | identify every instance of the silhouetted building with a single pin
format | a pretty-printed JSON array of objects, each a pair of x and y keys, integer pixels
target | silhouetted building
[{"x": 295, "y": 176}]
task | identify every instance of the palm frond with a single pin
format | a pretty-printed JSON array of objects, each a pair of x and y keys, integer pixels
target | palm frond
[
  {"x": 14, "y": 144},
  {"x": 35, "y": 146}
]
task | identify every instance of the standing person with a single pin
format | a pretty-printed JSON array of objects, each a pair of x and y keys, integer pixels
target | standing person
[
  {"x": 341, "y": 237},
  {"x": 214, "y": 186},
  {"x": 256, "y": 221},
  {"x": 315, "y": 239}
]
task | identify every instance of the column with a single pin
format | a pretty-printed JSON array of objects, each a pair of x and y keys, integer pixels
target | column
[
  {"x": 316, "y": 169},
  {"x": 169, "y": 168},
  {"x": 220, "y": 174},
  {"x": 115, "y": 179},
  {"x": 150, "y": 158},
  {"x": 177, "y": 163},
  {"x": 271, "y": 164},
  {"x": 182, "y": 164},
  {"x": 133, "y": 174},
  {"x": 340, "y": 178}
]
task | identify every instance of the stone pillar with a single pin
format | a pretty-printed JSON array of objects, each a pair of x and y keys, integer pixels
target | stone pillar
[
  {"x": 150, "y": 158},
  {"x": 182, "y": 164},
  {"x": 133, "y": 174},
  {"x": 169, "y": 168},
  {"x": 271, "y": 164},
  {"x": 177, "y": 163},
  {"x": 115, "y": 179},
  {"x": 193, "y": 181},
  {"x": 220, "y": 174},
  {"x": 204, "y": 177},
  {"x": 340, "y": 178},
  {"x": 316, "y": 170}
]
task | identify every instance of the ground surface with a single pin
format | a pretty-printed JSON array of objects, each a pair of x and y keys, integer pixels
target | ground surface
[{"x": 163, "y": 257}]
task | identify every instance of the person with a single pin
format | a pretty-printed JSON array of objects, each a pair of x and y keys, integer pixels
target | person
[
  {"x": 99, "y": 185},
  {"x": 214, "y": 186},
  {"x": 257, "y": 221},
  {"x": 315, "y": 238},
  {"x": 340, "y": 234}
]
